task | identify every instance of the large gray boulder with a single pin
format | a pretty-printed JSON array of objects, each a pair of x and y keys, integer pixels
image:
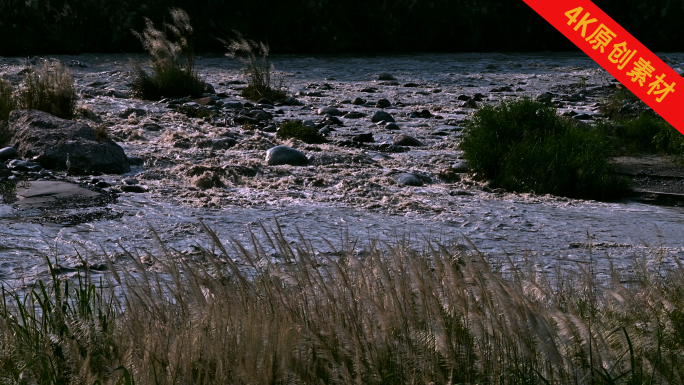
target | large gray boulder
[
  {"x": 47, "y": 139},
  {"x": 280, "y": 155}
]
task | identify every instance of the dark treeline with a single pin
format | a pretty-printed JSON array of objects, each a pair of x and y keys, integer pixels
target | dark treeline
[{"x": 29, "y": 27}]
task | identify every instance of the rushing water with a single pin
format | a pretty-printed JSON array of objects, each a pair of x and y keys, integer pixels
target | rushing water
[{"x": 556, "y": 231}]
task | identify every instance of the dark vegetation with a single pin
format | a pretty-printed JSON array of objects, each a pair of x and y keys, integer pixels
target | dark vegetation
[
  {"x": 299, "y": 131},
  {"x": 525, "y": 146},
  {"x": 48, "y": 87},
  {"x": 172, "y": 61},
  {"x": 372, "y": 316},
  {"x": 257, "y": 70},
  {"x": 74, "y": 26}
]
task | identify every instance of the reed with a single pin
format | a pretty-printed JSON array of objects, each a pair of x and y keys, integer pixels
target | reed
[
  {"x": 48, "y": 87},
  {"x": 274, "y": 312}
]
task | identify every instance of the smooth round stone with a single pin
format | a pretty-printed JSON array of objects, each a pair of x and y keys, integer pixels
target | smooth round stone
[
  {"x": 8, "y": 153},
  {"x": 382, "y": 116},
  {"x": 354, "y": 115},
  {"x": 460, "y": 167},
  {"x": 330, "y": 111},
  {"x": 407, "y": 179},
  {"x": 280, "y": 155},
  {"x": 545, "y": 97},
  {"x": 383, "y": 103},
  {"x": 366, "y": 137},
  {"x": 24, "y": 165},
  {"x": 358, "y": 101},
  {"x": 391, "y": 126},
  {"x": 405, "y": 140},
  {"x": 133, "y": 189}
]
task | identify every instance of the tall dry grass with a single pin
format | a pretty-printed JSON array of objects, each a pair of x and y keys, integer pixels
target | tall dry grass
[
  {"x": 50, "y": 88},
  {"x": 173, "y": 60},
  {"x": 277, "y": 313}
]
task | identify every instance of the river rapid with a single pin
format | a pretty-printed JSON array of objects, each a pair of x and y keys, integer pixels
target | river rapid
[{"x": 347, "y": 193}]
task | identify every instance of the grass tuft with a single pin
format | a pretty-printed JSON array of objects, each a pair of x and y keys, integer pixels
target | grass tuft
[
  {"x": 49, "y": 88},
  {"x": 526, "y": 147},
  {"x": 649, "y": 133},
  {"x": 173, "y": 61},
  {"x": 258, "y": 69},
  {"x": 299, "y": 131},
  {"x": 8, "y": 101}
]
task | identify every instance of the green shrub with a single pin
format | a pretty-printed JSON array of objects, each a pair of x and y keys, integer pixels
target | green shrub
[
  {"x": 612, "y": 107},
  {"x": 49, "y": 88},
  {"x": 257, "y": 68},
  {"x": 299, "y": 131},
  {"x": 650, "y": 133},
  {"x": 526, "y": 147},
  {"x": 173, "y": 62}
]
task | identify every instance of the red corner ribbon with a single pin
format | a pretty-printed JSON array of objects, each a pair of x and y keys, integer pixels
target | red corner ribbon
[{"x": 619, "y": 53}]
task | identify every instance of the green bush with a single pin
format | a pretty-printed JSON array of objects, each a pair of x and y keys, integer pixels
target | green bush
[
  {"x": 299, "y": 131},
  {"x": 526, "y": 147},
  {"x": 173, "y": 62},
  {"x": 49, "y": 88},
  {"x": 650, "y": 133}
]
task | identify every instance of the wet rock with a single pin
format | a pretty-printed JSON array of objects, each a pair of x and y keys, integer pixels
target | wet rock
[
  {"x": 8, "y": 153},
  {"x": 324, "y": 131},
  {"x": 209, "y": 89},
  {"x": 23, "y": 165},
  {"x": 583, "y": 117},
  {"x": 460, "y": 167},
  {"x": 48, "y": 139},
  {"x": 391, "y": 126},
  {"x": 478, "y": 97},
  {"x": 260, "y": 115},
  {"x": 576, "y": 97},
  {"x": 280, "y": 155},
  {"x": 130, "y": 181},
  {"x": 354, "y": 115},
  {"x": 139, "y": 112},
  {"x": 545, "y": 97},
  {"x": 265, "y": 101},
  {"x": 291, "y": 101},
  {"x": 470, "y": 103},
  {"x": 150, "y": 126},
  {"x": 117, "y": 94},
  {"x": 413, "y": 85},
  {"x": 309, "y": 123},
  {"x": 407, "y": 179},
  {"x": 389, "y": 83},
  {"x": 369, "y": 90},
  {"x": 3, "y": 166},
  {"x": 330, "y": 111},
  {"x": 463, "y": 97},
  {"x": 358, "y": 101},
  {"x": 382, "y": 116},
  {"x": 366, "y": 137},
  {"x": 383, "y": 103},
  {"x": 421, "y": 114},
  {"x": 232, "y": 105},
  {"x": 89, "y": 114},
  {"x": 386, "y": 76},
  {"x": 133, "y": 189},
  {"x": 208, "y": 101},
  {"x": 135, "y": 161},
  {"x": 405, "y": 140},
  {"x": 5, "y": 173}
]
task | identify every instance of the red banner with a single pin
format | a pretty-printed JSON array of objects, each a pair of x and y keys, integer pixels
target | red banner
[{"x": 619, "y": 53}]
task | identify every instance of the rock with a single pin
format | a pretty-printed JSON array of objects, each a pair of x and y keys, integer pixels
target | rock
[
  {"x": 135, "y": 161},
  {"x": 5, "y": 173},
  {"x": 354, "y": 115},
  {"x": 386, "y": 76},
  {"x": 412, "y": 85},
  {"x": 209, "y": 89},
  {"x": 309, "y": 123},
  {"x": 130, "y": 181},
  {"x": 464, "y": 97},
  {"x": 366, "y": 137},
  {"x": 576, "y": 97},
  {"x": 89, "y": 114},
  {"x": 324, "y": 131},
  {"x": 232, "y": 105},
  {"x": 149, "y": 126},
  {"x": 207, "y": 180},
  {"x": 405, "y": 140},
  {"x": 117, "y": 94},
  {"x": 133, "y": 189},
  {"x": 545, "y": 97},
  {"x": 8, "y": 153},
  {"x": 407, "y": 179},
  {"x": 583, "y": 117},
  {"x": 260, "y": 115},
  {"x": 382, "y": 116},
  {"x": 291, "y": 102},
  {"x": 369, "y": 90},
  {"x": 265, "y": 101},
  {"x": 383, "y": 103},
  {"x": 358, "y": 101},
  {"x": 470, "y": 103},
  {"x": 460, "y": 167},
  {"x": 139, "y": 112},
  {"x": 330, "y": 111},
  {"x": 391, "y": 126},
  {"x": 3, "y": 166},
  {"x": 208, "y": 101},
  {"x": 23, "y": 165},
  {"x": 47, "y": 140},
  {"x": 279, "y": 155}
]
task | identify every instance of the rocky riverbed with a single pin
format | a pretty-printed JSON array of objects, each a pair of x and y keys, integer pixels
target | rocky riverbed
[{"x": 391, "y": 166}]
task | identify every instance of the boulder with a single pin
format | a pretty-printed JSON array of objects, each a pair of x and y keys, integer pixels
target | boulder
[
  {"x": 47, "y": 140},
  {"x": 405, "y": 140},
  {"x": 8, "y": 153},
  {"x": 279, "y": 155},
  {"x": 382, "y": 116},
  {"x": 407, "y": 179}
]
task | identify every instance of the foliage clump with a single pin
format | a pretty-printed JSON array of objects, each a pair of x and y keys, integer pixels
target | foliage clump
[
  {"x": 299, "y": 131},
  {"x": 648, "y": 133},
  {"x": 258, "y": 68},
  {"x": 8, "y": 101},
  {"x": 49, "y": 88},
  {"x": 526, "y": 147},
  {"x": 173, "y": 62}
]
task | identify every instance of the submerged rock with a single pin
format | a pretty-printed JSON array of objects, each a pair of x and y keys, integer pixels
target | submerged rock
[
  {"x": 405, "y": 140},
  {"x": 330, "y": 111},
  {"x": 382, "y": 116},
  {"x": 48, "y": 139},
  {"x": 407, "y": 179},
  {"x": 280, "y": 155},
  {"x": 386, "y": 76}
]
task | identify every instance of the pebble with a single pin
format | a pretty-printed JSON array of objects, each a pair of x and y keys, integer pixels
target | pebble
[
  {"x": 330, "y": 111},
  {"x": 405, "y": 140},
  {"x": 366, "y": 137},
  {"x": 8, "y": 153},
  {"x": 382, "y": 116},
  {"x": 133, "y": 189},
  {"x": 407, "y": 179},
  {"x": 279, "y": 155},
  {"x": 383, "y": 103}
]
